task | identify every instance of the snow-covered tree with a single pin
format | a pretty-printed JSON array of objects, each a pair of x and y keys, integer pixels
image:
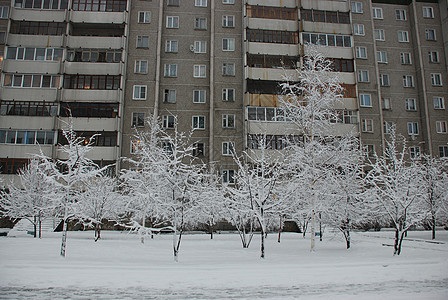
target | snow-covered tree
[
  {"x": 32, "y": 199},
  {"x": 317, "y": 148},
  {"x": 397, "y": 183},
  {"x": 99, "y": 202}
]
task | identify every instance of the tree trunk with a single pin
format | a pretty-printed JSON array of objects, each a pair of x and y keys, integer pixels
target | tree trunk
[
  {"x": 280, "y": 229},
  {"x": 64, "y": 237},
  {"x": 320, "y": 227},
  {"x": 313, "y": 230},
  {"x": 262, "y": 243},
  {"x": 347, "y": 238},
  {"x": 97, "y": 232},
  {"x": 35, "y": 227},
  {"x": 40, "y": 225},
  {"x": 433, "y": 227}
]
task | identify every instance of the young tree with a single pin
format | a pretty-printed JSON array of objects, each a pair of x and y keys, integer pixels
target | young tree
[
  {"x": 397, "y": 184},
  {"x": 32, "y": 198},
  {"x": 318, "y": 147}
]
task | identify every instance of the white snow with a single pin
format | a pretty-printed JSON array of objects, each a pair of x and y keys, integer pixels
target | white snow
[{"x": 120, "y": 267}]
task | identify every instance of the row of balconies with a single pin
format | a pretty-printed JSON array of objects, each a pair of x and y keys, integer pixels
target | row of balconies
[
  {"x": 48, "y": 94},
  {"x": 308, "y": 4},
  {"x": 95, "y": 42},
  {"x": 62, "y": 15},
  {"x": 53, "y": 67},
  {"x": 295, "y": 50}
]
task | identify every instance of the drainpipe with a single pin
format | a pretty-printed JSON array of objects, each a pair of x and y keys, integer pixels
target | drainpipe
[
  {"x": 212, "y": 88},
  {"x": 158, "y": 52}
]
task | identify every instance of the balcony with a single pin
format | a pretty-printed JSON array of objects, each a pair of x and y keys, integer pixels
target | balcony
[
  {"x": 282, "y": 25},
  {"x": 90, "y": 95},
  {"x": 27, "y": 122},
  {"x": 92, "y": 124},
  {"x": 95, "y": 42},
  {"x": 43, "y": 15},
  {"x": 277, "y": 74},
  {"x": 24, "y": 151},
  {"x": 339, "y": 52},
  {"x": 90, "y": 68},
  {"x": 25, "y": 40},
  {"x": 332, "y": 28},
  {"x": 96, "y": 153},
  {"x": 97, "y": 17},
  {"x": 279, "y": 3},
  {"x": 273, "y": 48},
  {"x": 28, "y": 94},
  {"x": 31, "y": 67},
  {"x": 326, "y": 5}
]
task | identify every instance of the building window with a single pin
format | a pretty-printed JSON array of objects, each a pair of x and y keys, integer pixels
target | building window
[
  {"x": 271, "y": 114},
  {"x": 388, "y": 126},
  {"x": 199, "y": 96},
  {"x": 2, "y": 37},
  {"x": 369, "y": 151},
  {"x": 441, "y": 126},
  {"x": 381, "y": 57},
  {"x": 198, "y": 149},
  {"x": 443, "y": 151},
  {"x": 228, "y": 148},
  {"x": 408, "y": 81},
  {"x": 272, "y": 36},
  {"x": 172, "y": 22},
  {"x": 171, "y": 46},
  {"x": 367, "y": 125},
  {"x": 200, "y": 3},
  {"x": 228, "y": 121},
  {"x": 400, "y": 14},
  {"x": 414, "y": 152},
  {"x": 412, "y": 128},
  {"x": 358, "y": 29},
  {"x": 200, "y": 23},
  {"x": 82, "y": 55},
  {"x": 380, "y": 35},
  {"x": 228, "y": 69},
  {"x": 27, "y": 137},
  {"x": 144, "y": 17},
  {"x": 141, "y": 66},
  {"x": 170, "y": 70},
  {"x": 228, "y": 1},
  {"x": 433, "y": 56},
  {"x": 386, "y": 104},
  {"x": 439, "y": 102},
  {"x": 173, "y": 3},
  {"x": 428, "y": 12},
  {"x": 323, "y": 39},
  {"x": 228, "y": 21},
  {"x": 88, "y": 110},
  {"x": 405, "y": 58},
  {"x": 142, "y": 41},
  {"x": 136, "y": 145},
  {"x": 28, "y": 108},
  {"x": 430, "y": 34},
  {"x": 342, "y": 65},
  {"x": 169, "y": 96},
  {"x": 4, "y": 12},
  {"x": 384, "y": 80},
  {"x": 357, "y": 7},
  {"x": 363, "y": 76},
  {"x": 200, "y": 47},
  {"x": 139, "y": 92},
  {"x": 138, "y": 119},
  {"x": 37, "y": 28},
  {"x": 228, "y": 44},
  {"x": 436, "y": 79},
  {"x": 168, "y": 122},
  {"x": 198, "y": 122},
  {"x": 12, "y": 165},
  {"x": 87, "y": 5},
  {"x": 361, "y": 52},
  {"x": 199, "y": 71},
  {"x": 377, "y": 12},
  {"x": 403, "y": 36},
  {"x": 31, "y": 81},
  {"x": 90, "y": 82},
  {"x": 410, "y": 104},
  {"x": 365, "y": 100},
  {"x": 55, "y": 5},
  {"x": 313, "y": 15},
  {"x": 228, "y": 176},
  {"x": 228, "y": 94}
]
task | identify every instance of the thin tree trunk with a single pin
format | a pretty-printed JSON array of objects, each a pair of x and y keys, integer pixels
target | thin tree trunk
[
  {"x": 262, "y": 242},
  {"x": 40, "y": 225},
  {"x": 280, "y": 229},
  {"x": 35, "y": 227},
  {"x": 433, "y": 217},
  {"x": 347, "y": 238},
  {"x": 320, "y": 226},
  {"x": 64, "y": 237}
]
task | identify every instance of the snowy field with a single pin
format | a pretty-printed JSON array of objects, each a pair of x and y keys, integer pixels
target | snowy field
[{"x": 120, "y": 267}]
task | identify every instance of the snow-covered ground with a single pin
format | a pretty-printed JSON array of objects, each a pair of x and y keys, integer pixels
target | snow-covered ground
[{"x": 120, "y": 267}]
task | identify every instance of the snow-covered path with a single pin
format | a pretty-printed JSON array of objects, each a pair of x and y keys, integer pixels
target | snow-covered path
[{"x": 120, "y": 267}]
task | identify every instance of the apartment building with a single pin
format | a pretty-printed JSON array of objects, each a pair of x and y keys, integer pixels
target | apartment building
[{"x": 62, "y": 58}]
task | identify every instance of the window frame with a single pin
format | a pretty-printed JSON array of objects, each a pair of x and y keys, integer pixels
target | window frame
[
  {"x": 381, "y": 57},
  {"x": 412, "y": 128},
  {"x": 363, "y": 100},
  {"x": 403, "y": 36},
  {"x": 139, "y": 90},
  {"x": 367, "y": 125},
  {"x": 428, "y": 9},
  {"x": 411, "y": 104},
  {"x": 408, "y": 81},
  {"x": 430, "y": 34},
  {"x": 196, "y": 123},
  {"x": 400, "y": 15},
  {"x": 169, "y": 96},
  {"x": 376, "y": 15},
  {"x": 440, "y": 101},
  {"x": 359, "y": 51},
  {"x": 357, "y": 7},
  {"x": 137, "y": 120},
  {"x": 170, "y": 70},
  {"x": 138, "y": 67},
  {"x": 434, "y": 57},
  {"x": 381, "y": 36},
  {"x": 229, "y": 45},
  {"x": 358, "y": 29},
  {"x": 436, "y": 79},
  {"x": 228, "y": 69},
  {"x": 202, "y": 45},
  {"x": 442, "y": 127},
  {"x": 144, "y": 17},
  {"x": 363, "y": 76},
  {"x": 200, "y": 23},
  {"x": 405, "y": 58},
  {"x": 228, "y": 121},
  {"x": 200, "y": 71},
  {"x": 228, "y": 176},
  {"x": 200, "y": 95},
  {"x": 228, "y": 21},
  {"x": 227, "y": 148},
  {"x": 140, "y": 42},
  {"x": 171, "y": 46},
  {"x": 168, "y": 122},
  {"x": 172, "y": 22}
]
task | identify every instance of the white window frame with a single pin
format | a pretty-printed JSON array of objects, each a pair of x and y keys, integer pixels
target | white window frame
[
  {"x": 384, "y": 80},
  {"x": 228, "y": 69},
  {"x": 442, "y": 127},
  {"x": 430, "y": 34},
  {"x": 400, "y": 15},
  {"x": 198, "y": 151},
  {"x": 412, "y": 128},
  {"x": 135, "y": 146},
  {"x": 365, "y": 100},
  {"x": 169, "y": 96},
  {"x": 228, "y": 94},
  {"x": 361, "y": 52},
  {"x": 411, "y": 104},
  {"x": 381, "y": 57},
  {"x": 142, "y": 42},
  {"x": 367, "y": 125},
  {"x": 227, "y": 120},
  {"x": 428, "y": 12},
  {"x": 167, "y": 120},
  {"x": 200, "y": 23},
  {"x": 170, "y": 70},
  {"x": 228, "y": 44},
  {"x": 228, "y": 148},
  {"x": 228, "y": 176},
  {"x": 357, "y": 7},
  {"x": 228, "y": 21},
  {"x": 228, "y": 1},
  {"x": 199, "y": 96},
  {"x": 140, "y": 92},
  {"x": 358, "y": 29},
  {"x": 135, "y": 119},
  {"x": 414, "y": 152},
  {"x": 408, "y": 81},
  {"x": 434, "y": 57},
  {"x": 377, "y": 13},
  {"x": 200, "y": 47},
  {"x": 199, "y": 71},
  {"x": 363, "y": 76},
  {"x": 369, "y": 149},
  {"x": 403, "y": 36},
  {"x": 172, "y": 22},
  {"x": 141, "y": 67},
  {"x": 388, "y": 126},
  {"x": 436, "y": 79},
  {"x": 200, "y": 3},
  {"x": 144, "y": 17},
  {"x": 196, "y": 122},
  {"x": 439, "y": 102},
  {"x": 171, "y": 46},
  {"x": 380, "y": 35},
  {"x": 4, "y": 12},
  {"x": 386, "y": 104},
  {"x": 443, "y": 151},
  {"x": 406, "y": 58}
]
